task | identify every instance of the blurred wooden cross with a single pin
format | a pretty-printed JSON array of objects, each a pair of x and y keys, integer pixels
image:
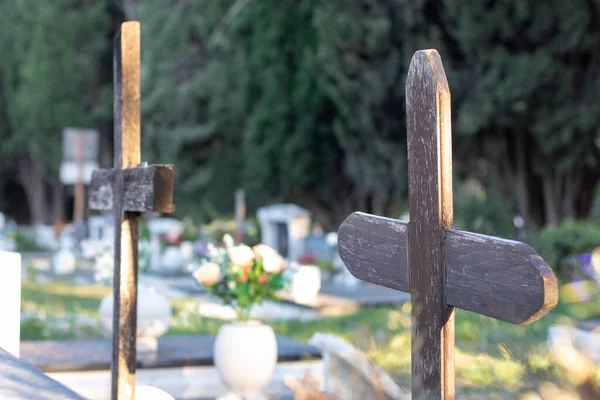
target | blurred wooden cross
[
  {"x": 441, "y": 267},
  {"x": 128, "y": 189}
]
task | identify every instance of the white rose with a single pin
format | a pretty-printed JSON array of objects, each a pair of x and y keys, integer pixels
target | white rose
[
  {"x": 241, "y": 255},
  {"x": 273, "y": 263}
]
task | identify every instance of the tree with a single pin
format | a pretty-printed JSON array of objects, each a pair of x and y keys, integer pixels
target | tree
[
  {"x": 526, "y": 79},
  {"x": 306, "y": 98},
  {"x": 48, "y": 81},
  {"x": 192, "y": 113}
]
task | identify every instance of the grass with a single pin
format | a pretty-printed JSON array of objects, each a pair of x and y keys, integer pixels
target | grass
[{"x": 493, "y": 359}]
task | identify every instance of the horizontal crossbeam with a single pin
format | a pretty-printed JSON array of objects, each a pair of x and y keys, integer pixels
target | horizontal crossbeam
[
  {"x": 500, "y": 278},
  {"x": 146, "y": 188}
]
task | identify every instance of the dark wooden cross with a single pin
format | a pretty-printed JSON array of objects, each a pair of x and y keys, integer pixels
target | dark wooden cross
[
  {"x": 128, "y": 189},
  {"x": 439, "y": 266}
]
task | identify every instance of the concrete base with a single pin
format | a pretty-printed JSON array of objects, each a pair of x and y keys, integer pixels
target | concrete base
[{"x": 184, "y": 383}]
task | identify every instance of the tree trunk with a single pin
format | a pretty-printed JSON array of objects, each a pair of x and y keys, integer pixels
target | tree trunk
[
  {"x": 520, "y": 174},
  {"x": 130, "y": 10},
  {"x": 31, "y": 177},
  {"x": 551, "y": 208}
]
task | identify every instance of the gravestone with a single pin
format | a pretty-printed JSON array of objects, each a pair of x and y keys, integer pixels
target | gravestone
[
  {"x": 129, "y": 189},
  {"x": 349, "y": 374},
  {"x": 101, "y": 227},
  {"x": 284, "y": 227},
  {"x": 45, "y": 236},
  {"x": 439, "y": 266},
  {"x": 80, "y": 159},
  {"x": 64, "y": 261},
  {"x": 165, "y": 261},
  {"x": 10, "y": 312}
]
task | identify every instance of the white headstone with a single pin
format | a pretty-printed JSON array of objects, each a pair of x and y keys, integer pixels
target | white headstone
[
  {"x": 154, "y": 314},
  {"x": 64, "y": 262},
  {"x": 45, "y": 237},
  {"x": 10, "y": 311},
  {"x": 67, "y": 240},
  {"x": 101, "y": 227},
  {"x": 284, "y": 227},
  {"x": 157, "y": 227}
]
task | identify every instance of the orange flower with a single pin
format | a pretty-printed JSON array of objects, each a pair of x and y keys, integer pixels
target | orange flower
[{"x": 263, "y": 279}]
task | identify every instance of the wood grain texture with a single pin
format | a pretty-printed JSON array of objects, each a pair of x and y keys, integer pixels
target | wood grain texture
[
  {"x": 374, "y": 249},
  {"x": 500, "y": 278},
  {"x": 430, "y": 204},
  {"x": 503, "y": 279},
  {"x": 145, "y": 189},
  {"x": 126, "y": 155}
]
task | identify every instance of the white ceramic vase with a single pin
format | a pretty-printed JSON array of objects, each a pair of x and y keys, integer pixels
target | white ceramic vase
[
  {"x": 153, "y": 317},
  {"x": 245, "y": 357},
  {"x": 306, "y": 283}
]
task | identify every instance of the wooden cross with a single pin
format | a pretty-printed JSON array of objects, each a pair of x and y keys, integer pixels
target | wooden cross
[
  {"x": 439, "y": 266},
  {"x": 128, "y": 189}
]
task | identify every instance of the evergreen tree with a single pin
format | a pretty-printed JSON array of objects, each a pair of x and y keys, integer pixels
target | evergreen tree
[{"x": 48, "y": 81}]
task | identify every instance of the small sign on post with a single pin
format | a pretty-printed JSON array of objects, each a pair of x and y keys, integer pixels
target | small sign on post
[
  {"x": 129, "y": 189},
  {"x": 80, "y": 159},
  {"x": 80, "y": 155},
  {"x": 439, "y": 266}
]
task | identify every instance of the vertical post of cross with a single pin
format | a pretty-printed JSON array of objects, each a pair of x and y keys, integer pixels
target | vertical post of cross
[
  {"x": 430, "y": 197},
  {"x": 126, "y": 155}
]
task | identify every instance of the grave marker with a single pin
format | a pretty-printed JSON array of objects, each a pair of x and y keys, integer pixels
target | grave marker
[
  {"x": 128, "y": 189},
  {"x": 439, "y": 266},
  {"x": 80, "y": 158}
]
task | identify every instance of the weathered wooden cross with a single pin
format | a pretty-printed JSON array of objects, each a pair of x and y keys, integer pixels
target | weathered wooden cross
[
  {"x": 441, "y": 267},
  {"x": 128, "y": 189}
]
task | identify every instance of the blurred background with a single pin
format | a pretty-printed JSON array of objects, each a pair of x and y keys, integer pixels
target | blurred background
[{"x": 302, "y": 101}]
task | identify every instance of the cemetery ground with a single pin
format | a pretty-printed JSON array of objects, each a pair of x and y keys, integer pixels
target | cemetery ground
[{"x": 493, "y": 359}]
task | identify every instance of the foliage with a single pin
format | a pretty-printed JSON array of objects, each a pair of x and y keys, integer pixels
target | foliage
[
  {"x": 242, "y": 276},
  {"x": 540, "y": 151},
  {"x": 482, "y": 211},
  {"x": 327, "y": 266},
  {"x": 144, "y": 230},
  {"x": 190, "y": 231},
  {"x": 49, "y": 80},
  {"x": 276, "y": 106},
  {"x": 309, "y": 106},
  {"x": 557, "y": 244},
  {"x": 217, "y": 228},
  {"x": 494, "y": 359},
  {"x": 25, "y": 241}
]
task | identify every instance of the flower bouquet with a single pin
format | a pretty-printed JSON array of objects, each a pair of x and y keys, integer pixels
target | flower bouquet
[
  {"x": 245, "y": 352},
  {"x": 240, "y": 275}
]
